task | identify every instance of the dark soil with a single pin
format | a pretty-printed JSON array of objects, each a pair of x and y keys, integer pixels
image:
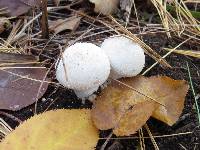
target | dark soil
[{"x": 58, "y": 97}]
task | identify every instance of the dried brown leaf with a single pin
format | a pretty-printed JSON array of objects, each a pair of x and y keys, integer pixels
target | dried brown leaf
[
  {"x": 126, "y": 6},
  {"x": 174, "y": 92},
  {"x": 134, "y": 118},
  {"x": 103, "y": 110},
  {"x": 16, "y": 58},
  {"x": 56, "y": 2},
  {"x": 18, "y": 7},
  {"x": 169, "y": 92},
  {"x": 54, "y": 130},
  {"x": 113, "y": 108},
  {"x": 4, "y": 24},
  {"x": 105, "y": 7},
  {"x": 19, "y": 87},
  {"x": 60, "y": 25}
]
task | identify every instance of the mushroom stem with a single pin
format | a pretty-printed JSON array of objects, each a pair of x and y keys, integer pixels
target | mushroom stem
[{"x": 86, "y": 93}]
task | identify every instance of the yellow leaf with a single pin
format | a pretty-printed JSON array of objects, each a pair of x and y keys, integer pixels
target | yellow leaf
[
  {"x": 127, "y": 104},
  {"x": 54, "y": 130}
]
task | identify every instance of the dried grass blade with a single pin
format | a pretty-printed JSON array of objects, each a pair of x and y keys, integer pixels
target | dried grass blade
[{"x": 191, "y": 53}]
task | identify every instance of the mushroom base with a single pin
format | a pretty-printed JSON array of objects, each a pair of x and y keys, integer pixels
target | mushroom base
[{"x": 85, "y": 93}]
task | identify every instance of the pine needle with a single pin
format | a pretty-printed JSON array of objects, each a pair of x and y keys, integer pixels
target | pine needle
[
  {"x": 191, "y": 53},
  {"x": 194, "y": 93}
]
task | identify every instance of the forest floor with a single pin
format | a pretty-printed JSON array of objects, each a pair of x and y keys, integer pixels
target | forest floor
[{"x": 185, "y": 134}]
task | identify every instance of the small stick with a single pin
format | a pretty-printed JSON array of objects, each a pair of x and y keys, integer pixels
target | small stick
[
  {"x": 11, "y": 117},
  {"x": 152, "y": 137},
  {"x": 106, "y": 142},
  {"x": 44, "y": 20}
]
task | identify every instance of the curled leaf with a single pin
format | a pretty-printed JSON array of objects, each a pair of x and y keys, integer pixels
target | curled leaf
[
  {"x": 126, "y": 105},
  {"x": 60, "y": 25},
  {"x": 174, "y": 92},
  {"x": 54, "y": 130},
  {"x": 164, "y": 90}
]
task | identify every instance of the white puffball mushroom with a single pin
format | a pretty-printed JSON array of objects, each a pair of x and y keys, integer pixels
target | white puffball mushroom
[
  {"x": 105, "y": 7},
  {"x": 83, "y": 68},
  {"x": 127, "y": 58}
]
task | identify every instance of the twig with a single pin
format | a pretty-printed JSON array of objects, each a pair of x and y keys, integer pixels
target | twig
[
  {"x": 106, "y": 142},
  {"x": 155, "y": 136},
  {"x": 141, "y": 139},
  {"x": 152, "y": 137},
  {"x": 35, "y": 18},
  {"x": 40, "y": 88},
  {"x": 11, "y": 116},
  {"x": 44, "y": 20}
]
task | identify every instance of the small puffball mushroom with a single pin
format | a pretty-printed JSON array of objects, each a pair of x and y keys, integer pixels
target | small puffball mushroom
[
  {"x": 83, "y": 68},
  {"x": 127, "y": 58},
  {"x": 105, "y": 7}
]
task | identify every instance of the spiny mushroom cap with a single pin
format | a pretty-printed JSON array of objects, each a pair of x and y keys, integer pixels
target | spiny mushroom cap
[
  {"x": 105, "y": 7},
  {"x": 126, "y": 57},
  {"x": 83, "y": 66}
]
